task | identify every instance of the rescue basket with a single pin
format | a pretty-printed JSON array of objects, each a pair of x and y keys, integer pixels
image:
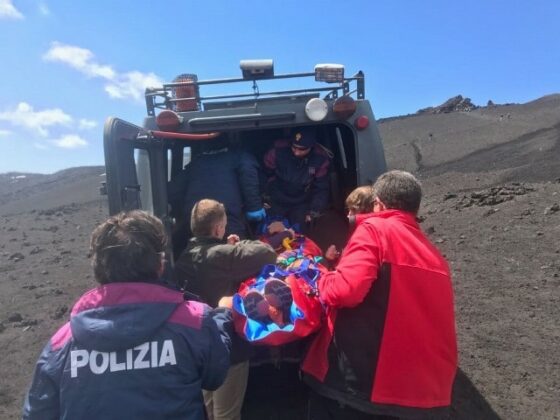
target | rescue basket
[{"x": 279, "y": 306}]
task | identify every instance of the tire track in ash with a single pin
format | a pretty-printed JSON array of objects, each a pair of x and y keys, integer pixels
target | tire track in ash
[{"x": 417, "y": 154}]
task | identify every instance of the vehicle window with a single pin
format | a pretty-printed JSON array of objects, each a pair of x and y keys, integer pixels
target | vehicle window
[
  {"x": 143, "y": 174},
  {"x": 169, "y": 163},
  {"x": 186, "y": 155}
]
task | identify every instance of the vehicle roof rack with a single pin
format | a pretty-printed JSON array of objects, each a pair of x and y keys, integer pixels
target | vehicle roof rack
[{"x": 165, "y": 98}]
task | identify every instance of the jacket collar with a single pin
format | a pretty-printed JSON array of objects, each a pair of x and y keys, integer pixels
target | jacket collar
[
  {"x": 205, "y": 240},
  {"x": 405, "y": 216}
]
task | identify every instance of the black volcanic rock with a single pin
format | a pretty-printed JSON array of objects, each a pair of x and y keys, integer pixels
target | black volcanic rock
[{"x": 454, "y": 104}]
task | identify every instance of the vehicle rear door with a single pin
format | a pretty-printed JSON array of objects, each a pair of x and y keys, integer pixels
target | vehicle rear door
[{"x": 136, "y": 168}]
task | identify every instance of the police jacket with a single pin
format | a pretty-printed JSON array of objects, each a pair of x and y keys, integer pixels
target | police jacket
[
  {"x": 228, "y": 176},
  {"x": 210, "y": 268},
  {"x": 297, "y": 181},
  {"x": 134, "y": 351},
  {"x": 389, "y": 345}
]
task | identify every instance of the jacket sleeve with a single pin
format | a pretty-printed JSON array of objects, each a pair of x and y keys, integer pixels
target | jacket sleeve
[
  {"x": 248, "y": 176},
  {"x": 42, "y": 400},
  {"x": 181, "y": 271},
  {"x": 218, "y": 324},
  {"x": 349, "y": 284},
  {"x": 320, "y": 189},
  {"x": 249, "y": 257}
]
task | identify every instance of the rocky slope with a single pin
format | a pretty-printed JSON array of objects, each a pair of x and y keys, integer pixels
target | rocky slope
[{"x": 492, "y": 199}]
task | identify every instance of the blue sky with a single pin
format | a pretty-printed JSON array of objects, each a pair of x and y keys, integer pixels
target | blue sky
[{"x": 68, "y": 65}]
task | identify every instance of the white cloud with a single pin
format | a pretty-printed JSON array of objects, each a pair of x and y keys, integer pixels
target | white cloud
[
  {"x": 37, "y": 121},
  {"x": 40, "y": 146},
  {"x": 127, "y": 85},
  {"x": 85, "y": 124},
  {"x": 44, "y": 9},
  {"x": 70, "y": 141},
  {"x": 9, "y": 11},
  {"x": 5, "y": 133},
  {"x": 132, "y": 85},
  {"x": 79, "y": 59}
]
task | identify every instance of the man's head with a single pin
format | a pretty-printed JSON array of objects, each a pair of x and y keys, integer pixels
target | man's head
[
  {"x": 303, "y": 141},
  {"x": 360, "y": 200},
  {"x": 208, "y": 218},
  {"x": 398, "y": 190},
  {"x": 128, "y": 247}
]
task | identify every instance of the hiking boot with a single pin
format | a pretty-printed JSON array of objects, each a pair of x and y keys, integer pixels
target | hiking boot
[
  {"x": 256, "y": 307},
  {"x": 279, "y": 295}
]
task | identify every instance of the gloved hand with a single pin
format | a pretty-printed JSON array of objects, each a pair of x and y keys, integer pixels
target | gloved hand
[{"x": 255, "y": 216}]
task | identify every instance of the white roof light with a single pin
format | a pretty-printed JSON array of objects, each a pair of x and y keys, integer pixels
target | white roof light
[
  {"x": 316, "y": 109},
  {"x": 257, "y": 69},
  {"x": 330, "y": 73}
]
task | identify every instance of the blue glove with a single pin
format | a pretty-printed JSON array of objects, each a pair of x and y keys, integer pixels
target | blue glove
[{"x": 255, "y": 216}]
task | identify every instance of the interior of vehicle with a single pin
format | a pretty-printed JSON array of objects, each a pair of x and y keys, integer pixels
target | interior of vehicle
[{"x": 337, "y": 139}]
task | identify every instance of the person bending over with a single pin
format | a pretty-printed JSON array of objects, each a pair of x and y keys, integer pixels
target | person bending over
[
  {"x": 298, "y": 182},
  {"x": 224, "y": 174},
  {"x": 389, "y": 346},
  {"x": 212, "y": 268}
]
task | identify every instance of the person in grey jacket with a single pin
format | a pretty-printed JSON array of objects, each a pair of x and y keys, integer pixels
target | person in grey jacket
[
  {"x": 211, "y": 268},
  {"x": 133, "y": 348}
]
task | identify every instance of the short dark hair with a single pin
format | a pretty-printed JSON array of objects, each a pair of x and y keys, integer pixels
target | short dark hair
[
  {"x": 399, "y": 190},
  {"x": 360, "y": 200},
  {"x": 128, "y": 247},
  {"x": 205, "y": 214}
]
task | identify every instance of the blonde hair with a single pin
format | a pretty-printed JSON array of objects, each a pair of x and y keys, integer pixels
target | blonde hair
[
  {"x": 360, "y": 200},
  {"x": 205, "y": 215}
]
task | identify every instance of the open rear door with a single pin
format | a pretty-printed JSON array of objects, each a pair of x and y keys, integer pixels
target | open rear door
[{"x": 136, "y": 169}]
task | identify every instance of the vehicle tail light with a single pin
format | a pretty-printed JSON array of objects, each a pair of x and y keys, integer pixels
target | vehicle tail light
[
  {"x": 188, "y": 93},
  {"x": 362, "y": 122},
  {"x": 344, "y": 107},
  {"x": 168, "y": 120},
  {"x": 316, "y": 109}
]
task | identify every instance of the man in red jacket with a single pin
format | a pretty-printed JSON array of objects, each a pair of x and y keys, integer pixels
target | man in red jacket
[{"x": 388, "y": 346}]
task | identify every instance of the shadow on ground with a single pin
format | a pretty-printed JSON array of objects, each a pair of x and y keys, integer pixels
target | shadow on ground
[
  {"x": 468, "y": 402},
  {"x": 276, "y": 393}
]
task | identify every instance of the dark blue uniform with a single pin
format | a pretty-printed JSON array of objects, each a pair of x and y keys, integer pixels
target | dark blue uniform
[
  {"x": 131, "y": 351},
  {"x": 228, "y": 176},
  {"x": 297, "y": 186}
]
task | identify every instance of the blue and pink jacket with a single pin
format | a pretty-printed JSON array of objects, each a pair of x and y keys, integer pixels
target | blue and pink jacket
[{"x": 131, "y": 350}]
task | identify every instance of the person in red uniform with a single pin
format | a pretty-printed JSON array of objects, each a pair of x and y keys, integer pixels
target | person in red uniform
[{"x": 388, "y": 347}]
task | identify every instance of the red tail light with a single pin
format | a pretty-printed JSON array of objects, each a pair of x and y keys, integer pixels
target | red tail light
[
  {"x": 344, "y": 107},
  {"x": 168, "y": 120},
  {"x": 362, "y": 122}
]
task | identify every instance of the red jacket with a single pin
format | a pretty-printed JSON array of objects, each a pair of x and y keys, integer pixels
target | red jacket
[{"x": 389, "y": 343}]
